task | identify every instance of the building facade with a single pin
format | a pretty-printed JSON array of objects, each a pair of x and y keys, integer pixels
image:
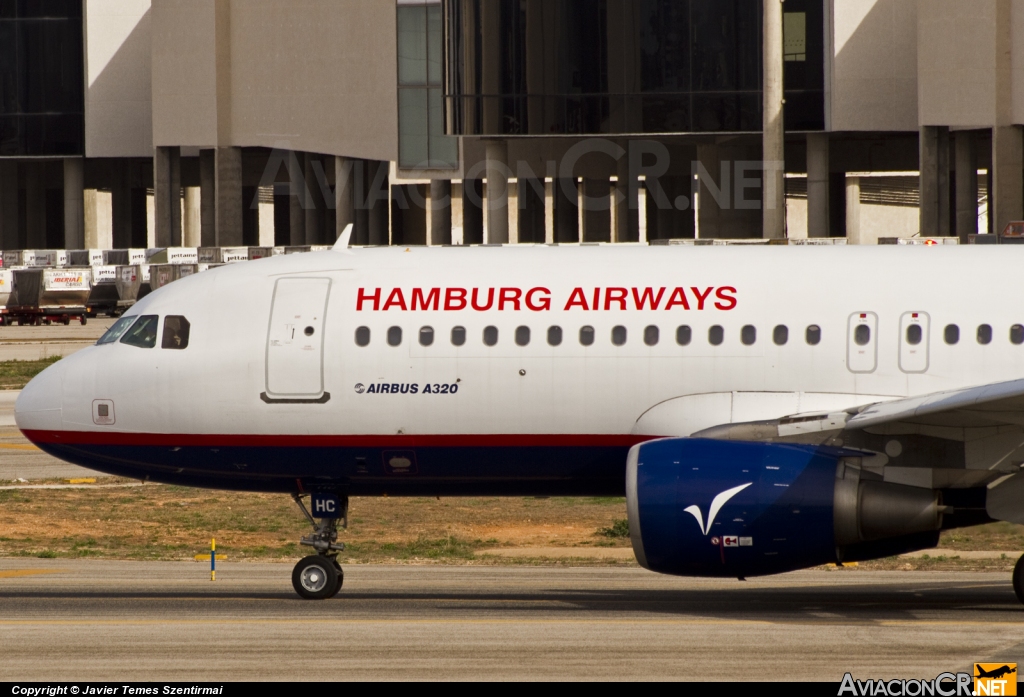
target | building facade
[{"x": 132, "y": 123}]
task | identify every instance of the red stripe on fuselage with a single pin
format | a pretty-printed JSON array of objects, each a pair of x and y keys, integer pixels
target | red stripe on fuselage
[{"x": 511, "y": 440}]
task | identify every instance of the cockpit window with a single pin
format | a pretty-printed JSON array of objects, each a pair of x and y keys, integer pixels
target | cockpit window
[
  {"x": 117, "y": 330},
  {"x": 142, "y": 333},
  {"x": 176, "y": 330}
]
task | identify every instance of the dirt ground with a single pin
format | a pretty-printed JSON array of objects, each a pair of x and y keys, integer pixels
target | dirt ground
[{"x": 133, "y": 521}]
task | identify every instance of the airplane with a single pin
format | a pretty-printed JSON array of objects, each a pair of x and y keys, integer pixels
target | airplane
[
  {"x": 996, "y": 673},
  {"x": 762, "y": 409}
]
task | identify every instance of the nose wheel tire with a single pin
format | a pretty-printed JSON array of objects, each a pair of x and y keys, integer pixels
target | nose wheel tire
[
  {"x": 317, "y": 578},
  {"x": 1018, "y": 579}
]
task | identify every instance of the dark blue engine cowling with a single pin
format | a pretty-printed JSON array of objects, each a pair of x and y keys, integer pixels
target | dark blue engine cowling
[{"x": 715, "y": 508}]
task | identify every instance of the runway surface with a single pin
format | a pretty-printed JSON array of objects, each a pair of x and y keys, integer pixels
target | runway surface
[
  {"x": 35, "y": 343},
  {"x": 90, "y": 620}
]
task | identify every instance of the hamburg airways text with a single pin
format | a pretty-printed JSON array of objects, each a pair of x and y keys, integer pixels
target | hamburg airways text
[{"x": 540, "y": 299}]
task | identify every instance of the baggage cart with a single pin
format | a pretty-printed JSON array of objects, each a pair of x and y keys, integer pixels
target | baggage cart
[{"x": 45, "y": 296}]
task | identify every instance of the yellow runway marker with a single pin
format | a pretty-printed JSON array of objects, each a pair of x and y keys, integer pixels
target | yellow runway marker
[
  {"x": 21, "y": 573},
  {"x": 17, "y": 446}
]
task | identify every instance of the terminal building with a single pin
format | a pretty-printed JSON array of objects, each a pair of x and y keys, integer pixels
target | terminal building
[{"x": 156, "y": 123}]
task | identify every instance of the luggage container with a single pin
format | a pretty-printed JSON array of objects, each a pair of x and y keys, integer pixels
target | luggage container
[
  {"x": 278, "y": 251},
  {"x": 209, "y": 255},
  {"x": 44, "y": 296},
  {"x": 173, "y": 255},
  {"x": 115, "y": 257},
  {"x": 103, "y": 296},
  {"x": 132, "y": 283},
  {"x": 32, "y": 258},
  {"x": 85, "y": 257},
  {"x": 230, "y": 255},
  {"x": 162, "y": 274},
  {"x": 6, "y": 281}
]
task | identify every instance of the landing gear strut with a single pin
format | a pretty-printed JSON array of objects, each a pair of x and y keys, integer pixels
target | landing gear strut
[
  {"x": 1018, "y": 579},
  {"x": 319, "y": 576}
]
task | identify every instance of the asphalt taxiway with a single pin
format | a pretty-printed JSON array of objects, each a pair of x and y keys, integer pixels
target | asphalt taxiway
[{"x": 93, "y": 620}]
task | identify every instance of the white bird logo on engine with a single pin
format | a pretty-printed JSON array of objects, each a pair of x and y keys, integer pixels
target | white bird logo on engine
[{"x": 716, "y": 505}]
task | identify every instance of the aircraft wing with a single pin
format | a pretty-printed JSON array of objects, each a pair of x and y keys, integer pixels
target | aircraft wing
[{"x": 1001, "y": 403}]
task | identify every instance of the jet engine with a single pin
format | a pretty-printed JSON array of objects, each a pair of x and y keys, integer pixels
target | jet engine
[{"x": 715, "y": 508}]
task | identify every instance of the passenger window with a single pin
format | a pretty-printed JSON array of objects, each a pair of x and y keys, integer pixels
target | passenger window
[
  {"x": 651, "y": 335},
  {"x": 426, "y": 336},
  {"x": 984, "y": 334},
  {"x": 117, "y": 331},
  {"x": 587, "y": 336},
  {"x": 142, "y": 333},
  {"x": 780, "y": 335},
  {"x": 555, "y": 336},
  {"x": 716, "y": 335},
  {"x": 619, "y": 335},
  {"x": 490, "y": 336},
  {"x": 522, "y": 336},
  {"x": 1017, "y": 334},
  {"x": 813, "y": 335},
  {"x": 684, "y": 335},
  {"x": 913, "y": 334},
  {"x": 862, "y": 335},
  {"x": 458, "y": 336},
  {"x": 748, "y": 335},
  {"x": 952, "y": 334},
  {"x": 176, "y": 330},
  {"x": 395, "y": 336},
  {"x": 363, "y": 336}
]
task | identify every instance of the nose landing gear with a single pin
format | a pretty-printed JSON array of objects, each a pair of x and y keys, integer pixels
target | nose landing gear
[{"x": 319, "y": 576}]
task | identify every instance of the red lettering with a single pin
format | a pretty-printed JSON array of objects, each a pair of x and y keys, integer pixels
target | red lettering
[
  {"x": 702, "y": 298},
  {"x": 615, "y": 295},
  {"x": 454, "y": 299},
  {"x": 361, "y": 296},
  {"x": 490, "y": 300},
  {"x": 596, "y": 305},
  {"x": 729, "y": 301},
  {"x": 641, "y": 299},
  {"x": 433, "y": 298},
  {"x": 577, "y": 299},
  {"x": 510, "y": 295},
  {"x": 545, "y": 302},
  {"x": 396, "y": 298},
  {"x": 678, "y": 297}
]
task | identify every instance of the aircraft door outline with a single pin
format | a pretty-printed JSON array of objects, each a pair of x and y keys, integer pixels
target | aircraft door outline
[
  {"x": 915, "y": 334},
  {"x": 862, "y": 342},
  {"x": 295, "y": 342}
]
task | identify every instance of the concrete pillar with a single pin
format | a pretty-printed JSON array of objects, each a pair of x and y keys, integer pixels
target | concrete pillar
[
  {"x": 344, "y": 195},
  {"x": 439, "y": 204},
  {"x": 566, "y": 204},
  {"x": 10, "y": 235},
  {"x": 299, "y": 196},
  {"x": 313, "y": 206},
  {"x": 167, "y": 195},
  {"x": 966, "y": 185},
  {"x": 379, "y": 201},
  {"x": 497, "y": 191},
  {"x": 1007, "y": 185},
  {"x": 192, "y": 217},
  {"x": 626, "y": 205},
  {"x": 207, "y": 198},
  {"x": 928, "y": 146},
  {"x": 774, "y": 136},
  {"x": 817, "y": 185},
  {"x": 35, "y": 206},
  {"x": 74, "y": 203},
  {"x": 549, "y": 210},
  {"x": 228, "y": 176},
  {"x": 91, "y": 219},
  {"x": 596, "y": 205},
  {"x": 853, "y": 231},
  {"x": 472, "y": 211}
]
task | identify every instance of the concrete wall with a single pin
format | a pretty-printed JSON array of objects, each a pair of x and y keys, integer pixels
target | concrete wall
[
  {"x": 874, "y": 69},
  {"x": 310, "y": 75},
  {"x": 957, "y": 62},
  {"x": 118, "y": 104}
]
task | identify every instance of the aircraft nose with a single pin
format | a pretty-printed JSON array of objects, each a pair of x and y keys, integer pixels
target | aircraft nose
[{"x": 38, "y": 407}]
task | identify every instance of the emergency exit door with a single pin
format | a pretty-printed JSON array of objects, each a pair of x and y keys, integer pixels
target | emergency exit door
[
  {"x": 862, "y": 342},
  {"x": 295, "y": 341}
]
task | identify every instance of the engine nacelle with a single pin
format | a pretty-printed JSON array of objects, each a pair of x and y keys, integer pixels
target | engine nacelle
[{"x": 718, "y": 508}]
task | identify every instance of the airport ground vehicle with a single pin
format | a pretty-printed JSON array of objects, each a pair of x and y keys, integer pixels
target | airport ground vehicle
[{"x": 755, "y": 424}]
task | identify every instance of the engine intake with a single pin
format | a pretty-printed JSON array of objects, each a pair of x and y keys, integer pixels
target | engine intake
[{"x": 702, "y": 507}]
